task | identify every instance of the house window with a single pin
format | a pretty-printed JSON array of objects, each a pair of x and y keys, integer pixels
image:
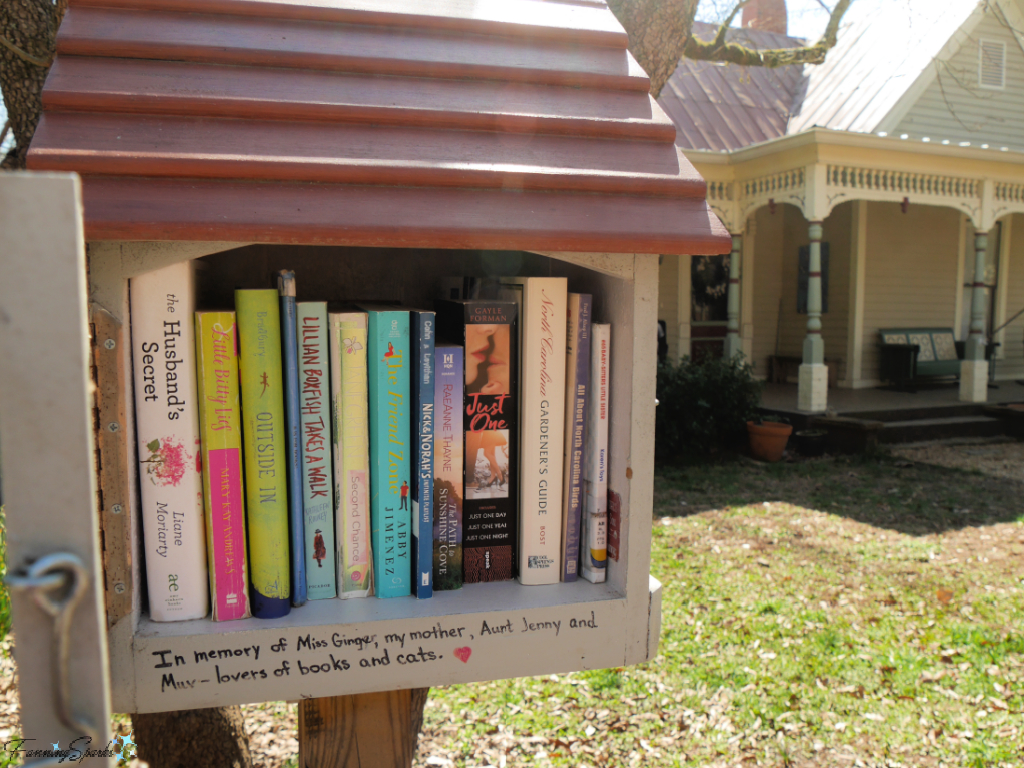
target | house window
[
  {"x": 803, "y": 278},
  {"x": 992, "y": 64}
]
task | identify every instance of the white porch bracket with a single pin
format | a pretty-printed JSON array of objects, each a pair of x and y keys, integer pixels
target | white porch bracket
[{"x": 733, "y": 343}]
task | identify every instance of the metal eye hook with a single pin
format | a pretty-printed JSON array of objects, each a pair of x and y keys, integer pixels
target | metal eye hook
[{"x": 58, "y": 583}]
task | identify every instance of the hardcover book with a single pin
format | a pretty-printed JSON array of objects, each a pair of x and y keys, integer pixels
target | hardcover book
[
  {"x": 167, "y": 428},
  {"x": 449, "y": 386},
  {"x": 220, "y": 417},
  {"x": 541, "y": 304},
  {"x": 487, "y": 330},
  {"x": 388, "y": 366},
  {"x": 349, "y": 408},
  {"x": 293, "y": 429},
  {"x": 317, "y": 472},
  {"x": 264, "y": 441},
  {"x": 421, "y": 329},
  {"x": 595, "y": 554},
  {"x": 577, "y": 377}
]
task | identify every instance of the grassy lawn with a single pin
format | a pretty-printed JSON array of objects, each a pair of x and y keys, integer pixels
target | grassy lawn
[{"x": 827, "y": 613}]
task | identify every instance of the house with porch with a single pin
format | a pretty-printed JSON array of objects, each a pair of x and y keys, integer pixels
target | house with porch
[{"x": 882, "y": 191}]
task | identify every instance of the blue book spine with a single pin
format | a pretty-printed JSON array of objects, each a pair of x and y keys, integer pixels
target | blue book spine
[
  {"x": 421, "y": 329},
  {"x": 293, "y": 430},
  {"x": 388, "y": 365}
]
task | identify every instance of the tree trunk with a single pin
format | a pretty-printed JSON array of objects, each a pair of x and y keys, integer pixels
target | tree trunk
[
  {"x": 658, "y": 31},
  {"x": 28, "y": 29},
  {"x": 193, "y": 738}
]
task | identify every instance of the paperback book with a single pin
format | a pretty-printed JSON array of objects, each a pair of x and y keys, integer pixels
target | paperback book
[
  {"x": 387, "y": 354},
  {"x": 293, "y": 437},
  {"x": 577, "y": 378},
  {"x": 167, "y": 428},
  {"x": 421, "y": 329},
  {"x": 488, "y": 333},
  {"x": 541, "y": 303},
  {"x": 595, "y": 555},
  {"x": 317, "y": 470},
  {"x": 449, "y": 386},
  {"x": 350, "y": 412},
  {"x": 220, "y": 417},
  {"x": 264, "y": 441}
]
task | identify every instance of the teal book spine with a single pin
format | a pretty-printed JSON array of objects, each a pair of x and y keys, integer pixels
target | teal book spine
[
  {"x": 318, "y": 477},
  {"x": 388, "y": 366}
]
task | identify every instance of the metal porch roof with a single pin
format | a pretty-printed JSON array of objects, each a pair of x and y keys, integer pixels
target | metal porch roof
[{"x": 441, "y": 123}]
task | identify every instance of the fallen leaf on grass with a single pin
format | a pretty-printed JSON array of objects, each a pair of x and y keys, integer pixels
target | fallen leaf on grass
[
  {"x": 944, "y": 595},
  {"x": 873, "y": 716}
]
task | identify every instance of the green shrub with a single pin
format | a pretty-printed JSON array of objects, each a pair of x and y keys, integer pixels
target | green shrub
[{"x": 704, "y": 407}]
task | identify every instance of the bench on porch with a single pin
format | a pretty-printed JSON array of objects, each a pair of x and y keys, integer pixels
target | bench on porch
[{"x": 907, "y": 355}]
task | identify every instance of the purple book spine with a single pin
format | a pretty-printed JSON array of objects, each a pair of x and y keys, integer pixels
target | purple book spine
[{"x": 578, "y": 380}]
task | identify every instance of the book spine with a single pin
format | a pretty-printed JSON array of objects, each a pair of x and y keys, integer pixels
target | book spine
[
  {"x": 293, "y": 433},
  {"x": 577, "y": 375},
  {"x": 542, "y": 308},
  {"x": 317, "y": 474},
  {"x": 220, "y": 417},
  {"x": 167, "y": 428},
  {"x": 388, "y": 373},
  {"x": 449, "y": 388},
  {"x": 595, "y": 555},
  {"x": 421, "y": 325},
  {"x": 490, "y": 418},
  {"x": 351, "y": 453},
  {"x": 264, "y": 442}
]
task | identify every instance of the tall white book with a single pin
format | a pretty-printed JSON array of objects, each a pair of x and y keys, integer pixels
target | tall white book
[
  {"x": 167, "y": 428},
  {"x": 542, "y": 312},
  {"x": 594, "y": 558}
]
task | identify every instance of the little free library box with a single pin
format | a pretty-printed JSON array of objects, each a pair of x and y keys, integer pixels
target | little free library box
[{"x": 373, "y": 147}]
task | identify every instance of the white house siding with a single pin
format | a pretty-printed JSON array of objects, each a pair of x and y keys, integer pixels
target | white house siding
[
  {"x": 777, "y": 249},
  {"x": 668, "y": 300},
  {"x": 910, "y": 272},
  {"x": 1012, "y": 366},
  {"x": 956, "y": 109}
]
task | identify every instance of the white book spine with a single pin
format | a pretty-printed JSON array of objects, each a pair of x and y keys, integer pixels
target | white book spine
[
  {"x": 167, "y": 427},
  {"x": 542, "y": 307},
  {"x": 594, "y": 558}
]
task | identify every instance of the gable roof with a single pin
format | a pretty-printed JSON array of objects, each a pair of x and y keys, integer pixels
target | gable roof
[
  {"x": 886, "y": 47},
  {"x": 725, "y": 106},
  {"x": 441, "y": 123}
]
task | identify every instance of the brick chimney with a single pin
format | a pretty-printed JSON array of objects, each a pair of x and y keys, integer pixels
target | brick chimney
[{"x": 769, "y": 15}]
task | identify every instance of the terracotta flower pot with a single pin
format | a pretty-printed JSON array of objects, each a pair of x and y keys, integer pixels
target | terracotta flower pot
[{"x": 768, "y": 440}]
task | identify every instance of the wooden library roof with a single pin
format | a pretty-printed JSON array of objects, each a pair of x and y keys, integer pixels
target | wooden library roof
[{"x": 441, "y": 123}]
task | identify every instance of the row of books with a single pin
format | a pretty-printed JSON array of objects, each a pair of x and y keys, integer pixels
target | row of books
[{"x": 289, "y": 452}]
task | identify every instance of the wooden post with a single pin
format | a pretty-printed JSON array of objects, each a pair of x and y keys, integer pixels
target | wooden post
[
  {"x": 733, "y": 345},
  {"x": 367, "y": 730},
  {"x": 813, "y": 389}
]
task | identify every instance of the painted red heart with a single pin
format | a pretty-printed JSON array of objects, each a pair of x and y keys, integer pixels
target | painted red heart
[{"x": 463, "y": 654}]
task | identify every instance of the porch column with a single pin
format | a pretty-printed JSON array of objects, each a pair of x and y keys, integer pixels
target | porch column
[
  {"x": 733, "y": 344},
  {"x": 974, "y": 368},
  {"x": 813, "y": 391}
]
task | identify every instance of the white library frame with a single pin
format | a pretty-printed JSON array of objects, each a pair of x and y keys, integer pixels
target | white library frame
[{"x": 482, "y": 632}]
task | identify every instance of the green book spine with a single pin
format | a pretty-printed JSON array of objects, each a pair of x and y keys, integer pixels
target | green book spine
[
  {"x": 387, "y": 353},
  {"x": 266, "y": 464}
]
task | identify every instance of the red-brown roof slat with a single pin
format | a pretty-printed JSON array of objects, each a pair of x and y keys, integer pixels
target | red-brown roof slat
[
  {"x": 304, "y": 44},
  {"x": 269, "y": 93}
]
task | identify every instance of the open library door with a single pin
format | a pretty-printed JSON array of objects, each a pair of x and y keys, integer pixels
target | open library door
[{"x": 47, "y": 471}]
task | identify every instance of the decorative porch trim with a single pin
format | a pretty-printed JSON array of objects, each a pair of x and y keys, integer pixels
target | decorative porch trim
[
  {"x": 789, "y": 186},
  {"x": 845, "y": 182}
]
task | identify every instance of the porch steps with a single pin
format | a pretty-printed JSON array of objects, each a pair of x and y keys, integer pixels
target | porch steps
[{"x": 939, "y": 428}]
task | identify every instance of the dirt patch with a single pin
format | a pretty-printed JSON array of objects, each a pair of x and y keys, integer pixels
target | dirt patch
[{"x": 996, "y": 459}]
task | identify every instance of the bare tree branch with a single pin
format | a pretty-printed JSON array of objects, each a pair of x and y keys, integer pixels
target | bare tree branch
[
  {"x": 719, "y": 40},
  {"x": 734, "y": 53}
]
